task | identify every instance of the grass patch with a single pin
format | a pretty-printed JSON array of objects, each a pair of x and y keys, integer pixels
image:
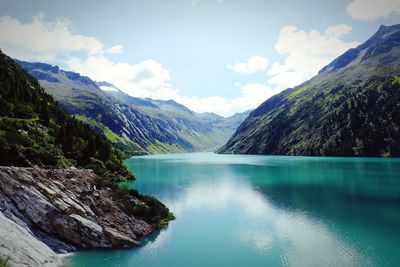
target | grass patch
[
  {"x": 4, "y": 262},
  {"x": 396, "y": 80},
  {"x": 127, "y": 146}
]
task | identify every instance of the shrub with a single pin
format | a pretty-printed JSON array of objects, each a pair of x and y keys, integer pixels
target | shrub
[
  {"x": 147, "y": 207},
  {"x": 4, "y": 262}
]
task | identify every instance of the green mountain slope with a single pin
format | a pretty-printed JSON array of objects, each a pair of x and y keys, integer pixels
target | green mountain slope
[
  {"x": 135, "y": 125},
  {"x": 203, "y": 131},
  {"x": 351, "y": 108},
  {"x": 35, "y": 131},
  {"x": 81, "y": 96}
]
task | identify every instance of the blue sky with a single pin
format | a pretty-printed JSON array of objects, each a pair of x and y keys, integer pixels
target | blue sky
[{"x": 221, "y": 56}]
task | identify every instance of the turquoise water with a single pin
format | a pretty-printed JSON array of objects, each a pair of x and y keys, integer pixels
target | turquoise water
[{"x": 236, "y": 210}]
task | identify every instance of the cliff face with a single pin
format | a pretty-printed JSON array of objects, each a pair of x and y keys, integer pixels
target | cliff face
[
  {"x": 23, "y": 248},
  {"x": 67, "y": 211}
]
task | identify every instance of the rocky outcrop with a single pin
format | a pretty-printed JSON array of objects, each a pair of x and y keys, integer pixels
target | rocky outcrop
[
  {"x": 22, "y": 249},
  {"x": 67, "y": 210}
]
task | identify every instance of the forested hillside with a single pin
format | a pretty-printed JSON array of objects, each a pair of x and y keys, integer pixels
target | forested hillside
[
  {"x": 34, "y": 130},
  {"x": 351, "y": 108}
]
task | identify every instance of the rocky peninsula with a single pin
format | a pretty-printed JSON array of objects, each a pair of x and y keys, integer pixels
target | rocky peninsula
[{"x": 63, "y": 211}]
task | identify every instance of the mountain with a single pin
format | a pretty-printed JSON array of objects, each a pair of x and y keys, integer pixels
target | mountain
[
  {"x": 81, "y": 96},
  {"x": 231, "y": 123},
  {"x": 135, "y": 125},
  {"x": 198, "y": 131},
  {"x": 43, "y": 192},
  {"x": 35, "y": 131},
  {"x": 351, "y": 108}
]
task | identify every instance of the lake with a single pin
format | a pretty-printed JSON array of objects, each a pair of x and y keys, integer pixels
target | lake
[{"x": 243, "y": 210}]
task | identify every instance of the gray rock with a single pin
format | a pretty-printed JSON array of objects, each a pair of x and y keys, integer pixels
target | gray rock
[
  {"x": 23, "y": 249},
  {"x": 61, "y": 208}
]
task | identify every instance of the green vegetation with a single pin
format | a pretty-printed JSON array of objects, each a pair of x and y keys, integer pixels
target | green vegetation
[
  {"x": 159, "y": 148},
  {"x": 136, "y": 126},
  {"x": 343, "y": 120},
  {"x": 351, "y": 108},
  {"x": 140, "y": 206},
  {"x": 124, "y": 144},
  {"x": 35, "y": 131},
  {"x": 396, "y": 80},
  {"x": 4, "y": 262}
]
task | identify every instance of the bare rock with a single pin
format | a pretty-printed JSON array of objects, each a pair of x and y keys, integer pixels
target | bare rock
[
  {"x": 22, "y": 248},
  {"x": 62, "y": 208}
]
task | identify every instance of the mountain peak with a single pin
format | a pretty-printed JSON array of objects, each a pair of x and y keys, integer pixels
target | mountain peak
[
  {"x": 382, "y": 42},
  {"x": 384, "y": 28},
  {"x": 385, "y": 33},
  {"x": 44, "y": 71}
]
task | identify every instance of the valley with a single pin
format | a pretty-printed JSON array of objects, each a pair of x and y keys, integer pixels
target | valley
[{"x": 135, "y": 125}]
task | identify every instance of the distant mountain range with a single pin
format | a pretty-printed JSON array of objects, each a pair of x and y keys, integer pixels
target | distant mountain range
[
  {"x": 351, "y": 108},
  {"x": 135, "y": 125}
]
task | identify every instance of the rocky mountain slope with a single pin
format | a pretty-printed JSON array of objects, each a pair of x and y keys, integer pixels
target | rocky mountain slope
[
  {"x": 136, "y": 125},
  {"x": 351, "y": 108},
  {"x": 66, "y": 209}
]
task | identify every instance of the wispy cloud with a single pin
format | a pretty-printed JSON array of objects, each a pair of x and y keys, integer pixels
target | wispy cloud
[
  {"x": 371, "y": 10},
  {"x": 116, "y": 49},
  {"x": 252, "y": 65}
]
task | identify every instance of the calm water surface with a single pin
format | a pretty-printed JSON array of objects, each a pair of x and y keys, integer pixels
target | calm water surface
[{"x": 236, "y": 210}]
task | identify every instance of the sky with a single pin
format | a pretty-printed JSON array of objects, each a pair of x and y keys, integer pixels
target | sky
[{"x": 221, "y": 56}]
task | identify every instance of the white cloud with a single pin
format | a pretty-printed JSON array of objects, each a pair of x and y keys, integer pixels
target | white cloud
[
  {"x": 57, "y": 42},
  {"x": 116, "y": 49},
  {"x": 144, "y": 79},
  {"x": 45, "y": 41},
  {"x": 108, "y": 88},
  {"x": 372, "y": 9},
  {"x": 252, "y": 95},
  {"x": 306, "y": 53},
  {"x": 252, "y": 65},
  {"x": 150, "y": 79}
]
